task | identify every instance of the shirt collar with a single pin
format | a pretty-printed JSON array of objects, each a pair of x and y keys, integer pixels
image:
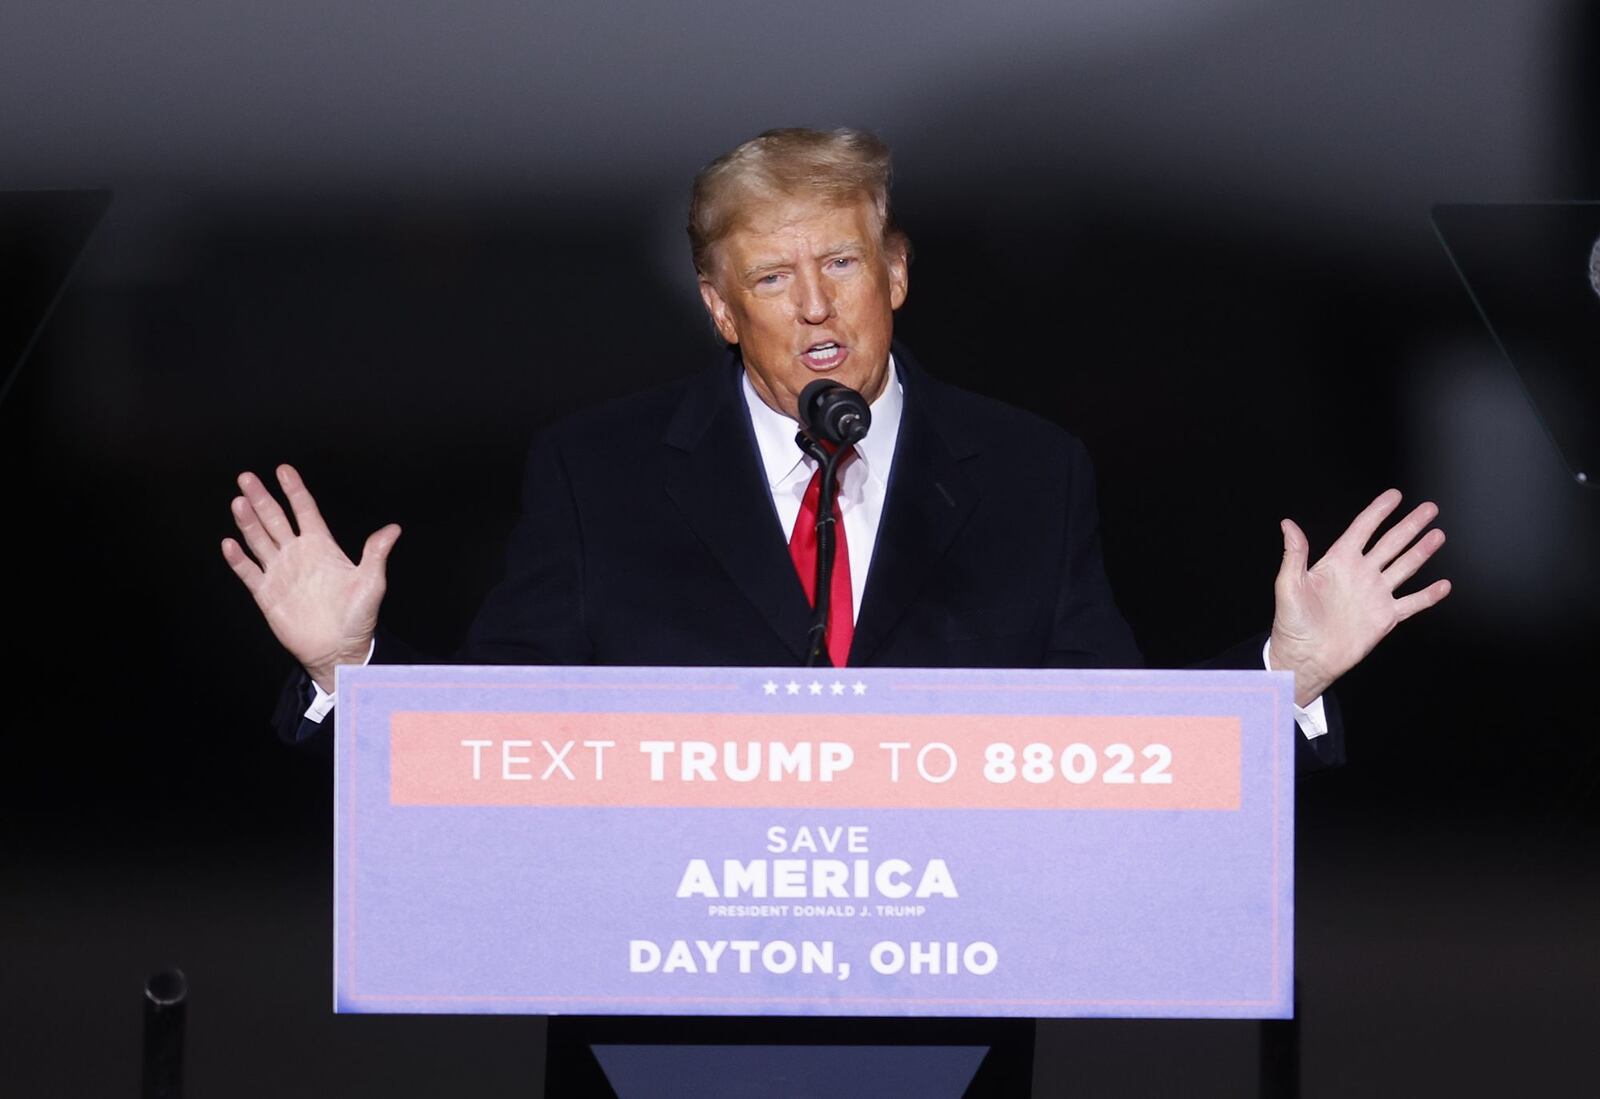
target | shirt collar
[{"x": 783, "y": 462}]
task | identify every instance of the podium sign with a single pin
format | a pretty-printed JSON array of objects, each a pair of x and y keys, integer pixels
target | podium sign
[{"x": 734, "y": 841}]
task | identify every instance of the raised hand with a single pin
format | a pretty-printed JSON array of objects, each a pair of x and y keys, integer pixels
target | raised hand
[
  {"x": 1328, "y": 617},
  {"x": 321, "y": 606}
]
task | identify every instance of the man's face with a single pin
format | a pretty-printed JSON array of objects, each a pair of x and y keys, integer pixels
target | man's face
[{"x": 807, "y": 291}]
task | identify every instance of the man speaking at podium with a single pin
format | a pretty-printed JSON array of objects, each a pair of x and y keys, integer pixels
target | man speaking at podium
[
  {"x": 675, "y": 527},
  {"x": 680, "y": 526}
]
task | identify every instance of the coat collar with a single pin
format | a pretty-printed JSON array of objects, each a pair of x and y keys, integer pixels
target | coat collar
[
  {"x": 930, "y": 499},
  {"x": 713, "y": 475}
]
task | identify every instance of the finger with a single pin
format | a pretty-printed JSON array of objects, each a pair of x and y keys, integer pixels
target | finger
[
  {"x": 1406, "y": 565},
  {"x": 1360, "y": 531},
  {"x": 378, "y": 546},
  {"x": 268, "y": 510},
  {"x": 1296, "y": 548},
  {"x": 1399, "y": 536},
  {"x": 244, "y": 568},
  {"x": 306, "y": 515},
  {"x": 1420, "y": 601},
  {"x": 255, "y": 535}
]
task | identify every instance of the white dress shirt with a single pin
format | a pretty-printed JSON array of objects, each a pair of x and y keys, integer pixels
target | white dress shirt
[{"x": 863, "y": 484}]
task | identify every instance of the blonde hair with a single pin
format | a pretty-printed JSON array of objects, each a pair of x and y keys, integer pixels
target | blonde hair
[{"x": 837, "y": 166}]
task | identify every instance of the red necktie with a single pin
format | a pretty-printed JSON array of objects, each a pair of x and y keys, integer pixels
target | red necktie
[{"x": 803, "y": 551}]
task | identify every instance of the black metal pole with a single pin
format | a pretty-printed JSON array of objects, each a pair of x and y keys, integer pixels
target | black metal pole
[
  {"x": 827, "y": 547},
  {"x": 166, "y": 1003},
  {"x": 1280, "y": 1055}
]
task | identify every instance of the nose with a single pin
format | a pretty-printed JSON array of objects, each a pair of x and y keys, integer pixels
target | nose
[{"x": 813, "y": 297}]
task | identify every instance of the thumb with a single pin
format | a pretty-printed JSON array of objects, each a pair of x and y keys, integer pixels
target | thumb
[
  {"x": 1295, "y": 551},
  {"x": 379, "y": 543}
]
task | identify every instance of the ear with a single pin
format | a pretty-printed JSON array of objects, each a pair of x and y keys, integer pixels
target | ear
[
  {"x": 717, "y": 308},
  {"x": 898, "y": 259}
]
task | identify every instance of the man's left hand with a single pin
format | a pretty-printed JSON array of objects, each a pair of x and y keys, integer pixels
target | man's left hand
[{"x": 1328, "y": 617}]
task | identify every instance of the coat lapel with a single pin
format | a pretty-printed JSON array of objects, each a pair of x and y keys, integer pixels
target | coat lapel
[
  {"x": 713, "y": 477},
  {"x": 930, "y": 498}
]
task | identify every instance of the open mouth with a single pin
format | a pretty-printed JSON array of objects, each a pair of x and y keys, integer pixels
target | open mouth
[{"x": 824, "y": 355}]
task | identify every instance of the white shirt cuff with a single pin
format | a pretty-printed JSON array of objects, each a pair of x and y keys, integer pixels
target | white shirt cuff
[
  {"x": 322, "y": 701},
  {"x": 1312, "y": 718}
]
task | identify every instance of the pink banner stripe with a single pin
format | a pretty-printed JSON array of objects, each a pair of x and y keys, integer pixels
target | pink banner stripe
[
  {"x": 822, "y": 1000},
  {"x": 749, "y": 761}
]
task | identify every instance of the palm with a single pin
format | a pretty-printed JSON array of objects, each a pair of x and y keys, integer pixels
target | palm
[
  {"x": 1330, "y": 616},
  {"x": 321, "y": 606},
  {"x": 316, "y": 600}
]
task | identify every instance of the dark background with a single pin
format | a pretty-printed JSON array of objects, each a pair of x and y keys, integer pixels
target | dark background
[{"x": 389, "y": 244}]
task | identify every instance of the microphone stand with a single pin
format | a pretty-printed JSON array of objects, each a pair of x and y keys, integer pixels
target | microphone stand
[
  {"x": 827, "y": 546},
  {"x": 166, "y": 996}
]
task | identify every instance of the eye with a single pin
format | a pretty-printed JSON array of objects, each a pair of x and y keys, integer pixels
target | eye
[
  {"x": 768, "y": 280},
  {"x": 842, "y": 263}
]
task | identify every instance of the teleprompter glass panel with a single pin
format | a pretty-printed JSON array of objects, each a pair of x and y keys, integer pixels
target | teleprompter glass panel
[
  {"x": 1533, "y": 270},
  {"x": 42, "y": 235}
]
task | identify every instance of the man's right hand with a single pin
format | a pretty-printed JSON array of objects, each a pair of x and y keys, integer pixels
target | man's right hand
[{"x": 321, "y": 606}]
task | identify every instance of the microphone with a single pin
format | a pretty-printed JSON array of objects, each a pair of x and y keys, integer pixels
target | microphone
[
  {"x": 834, "y": 413},
  {"x": 832, "y": 418}
]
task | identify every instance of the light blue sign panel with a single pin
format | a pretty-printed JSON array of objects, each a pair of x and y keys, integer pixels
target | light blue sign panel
[{"x": 859, "y": 842}]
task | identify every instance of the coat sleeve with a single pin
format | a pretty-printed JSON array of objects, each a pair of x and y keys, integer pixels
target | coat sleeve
[
  {"x": 536, "y": 613},
  {"x": 1088, "y": 630},
  {"x": 1311, "y": 754},
  {"x": 289, "y": 718}
]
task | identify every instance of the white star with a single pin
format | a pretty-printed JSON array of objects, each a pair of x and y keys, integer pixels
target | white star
[
  {"x": 838, "y": 688},
  {"x": 816, "y": 688},
  {"x": 859, "y": 687},
  {"x": 770, "y": 687},
  {"x": 792, "y": 687}
]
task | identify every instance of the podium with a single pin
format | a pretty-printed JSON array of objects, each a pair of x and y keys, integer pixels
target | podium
[{"x": 821, "y": 857}]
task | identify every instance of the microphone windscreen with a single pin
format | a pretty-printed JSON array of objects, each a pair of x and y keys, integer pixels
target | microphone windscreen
[{"x": 833, "y": 413}]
